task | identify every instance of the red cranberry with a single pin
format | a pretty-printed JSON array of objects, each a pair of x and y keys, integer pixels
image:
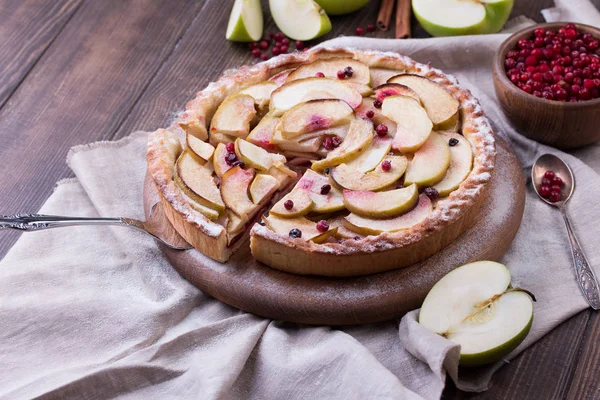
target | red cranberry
[
  {"x": 544, "y": 191},
  {"x": 279, "y": 36},
  {"x": 386, "y": 166},
  {"x": 554, "y": 197},
  {"x": 544, "y": 68},
  {"x": 256, "y": 53},
  {"x": 325, "y": 189},
  {"x": 322, "y": 226},
  {"x": 230, "y": 158},
  {"x": 283, "y": 49},
  {"x": 557, "y": 181},
  {"x": 230, "y": 147},
  {"x": 264, "y": 44},
  {"x": 377, "y": 104},
  {"x": 349, "y": 71},
  {"x": 510, "y": 63},
  {"x": 527, "y": 88},
  {"x": 300, "y": 44},
  {"x": 275, "y": 51},
  {"x": 381, "y": 129},
  {"x": 431, "y": 193},
  {"x": 336, "y": 141},
  {"x": 341, "y": 74},
  {"x": 289, "y": 204},
  {"x": 555, "y": 188},
  {"x": 360, "y": 31},
  {"x": 370, "y": 27},
  {"x": 370, "y": 114},
  {"x": 264, "y": 56},
  {"x": 593, "y": 45},
  {"x": 546, "y": 182},
  {"x": 328, "y": 144},
  {"x": 253, "y": 45},
  {"x": 539, "y": 32},
  {"x": 285, "y": 41},
  {"x": 320, "y": 75}
]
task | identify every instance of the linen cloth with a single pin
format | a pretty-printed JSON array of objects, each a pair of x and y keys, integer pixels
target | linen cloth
[{"x": 97, "y": 312}]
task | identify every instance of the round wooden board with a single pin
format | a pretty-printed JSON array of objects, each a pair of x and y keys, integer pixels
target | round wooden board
[{"x": 251, "y": 286}]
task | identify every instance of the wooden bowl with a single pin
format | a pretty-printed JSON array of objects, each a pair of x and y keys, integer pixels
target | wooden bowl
[{"x": 555, "y": 123}]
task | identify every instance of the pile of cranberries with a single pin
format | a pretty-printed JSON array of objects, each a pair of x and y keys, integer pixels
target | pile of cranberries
[
  {"x": 551, "y": 186},
  {"x": 231, "y": 158},
  {"x": 561, "y": 65}
]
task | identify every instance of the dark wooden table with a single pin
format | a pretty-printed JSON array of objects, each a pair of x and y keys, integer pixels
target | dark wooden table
[{"x": 78, "y": 71}]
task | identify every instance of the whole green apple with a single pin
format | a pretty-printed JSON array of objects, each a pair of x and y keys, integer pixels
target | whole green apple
[
  {"x": 339, "y": 7},
  {"x": 462, "y": 17}
]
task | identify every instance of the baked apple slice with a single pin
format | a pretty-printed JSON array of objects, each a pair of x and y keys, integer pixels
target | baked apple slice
[
  {"x": 299, "y": 228},
  {"x": 413, "y": 126},
  {"x": 199, "y": 147},
  {"x": 295, "y": 204},
  {"x": 379, "y": 76},
  {"x": 262, "y": 187},
  {"x": 234, "y": 190},
  {"x": 381, "y": 204},
  {"x": 305, "y": 146},
  {"x": 386, "y": 174},
  {"x": 372, "y": 157},
  {"x": 234, "y": 115},
  {"x": 430, "y": 163},
  {"x": 325, "y": 197},
  {"x": 220, "y": 166},
  {"x": 301, "y": 90},
  {"x": 262, "y": 134},
  {"x": 360, "y": 135},
  {"x": 461, "y": 162},
  {"x": 442, "y": 107},
  {"x": 235, "y": 223},
  {"x": 193, "y": 201},
  {"x": 370, "y": 226},
  {"x": 342, "y": 231},
  {"x": 195, "y": 176},
  {"x": 394, "y": 89},
  {"x": 315, "y": 115},
  {"x": 261, "y": 92},
  {"x": 330, "y": 67},
  {"x": 257, "y": 157}
]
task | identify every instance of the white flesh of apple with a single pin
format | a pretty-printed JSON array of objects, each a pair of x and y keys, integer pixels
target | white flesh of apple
[
  {"x": 301, "y": 204},
  {"x": 262, "y": 134},
  {"x": 379, "y": 76},
  {"x": 262, "y": 186},
  {"x": 261, "y": 92},
  {"x": 330, "y": 67},
  {"x": 381, "y": 204},
  {"x": 461, "y": 161},
  {"x": 300, "y": 19},
  {"x": 246, "y": 15},
  {"x": 257, "y": 157},
  {"x": 234, "y": 115},
  {"x": 430, "y": 163},
  {"x": 312, "y": 182},
  {"x": 201, "y": 148},
  {"x": 413, "y": 126},
  {"x": 451, "y": 13},
  {"x": 315, "y": 115},
  {"x": 234, "y": 190},
  {"x": 378, "y": 179},
  {"x": 471, "y": 306},
  {"x": 199, "y": 180},
  {"x": 309, "y": 230},
  {"x": 371, "y": 158},
  {"x": 301, "y": 90}
]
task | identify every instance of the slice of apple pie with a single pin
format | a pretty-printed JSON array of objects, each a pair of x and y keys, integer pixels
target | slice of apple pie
[{"x": 335, "y": 162}]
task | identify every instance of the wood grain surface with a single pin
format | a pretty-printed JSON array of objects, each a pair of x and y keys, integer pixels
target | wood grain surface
[
  {"x": 249, "y": 285},
  {"x": 189, "y": 51}
]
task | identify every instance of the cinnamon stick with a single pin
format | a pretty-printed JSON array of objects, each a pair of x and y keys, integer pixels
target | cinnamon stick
[
  {"x": 385, "y": 14},
  {"x": 403, "y": 12}
]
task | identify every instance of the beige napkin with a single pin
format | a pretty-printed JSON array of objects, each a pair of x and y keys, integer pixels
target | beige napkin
[{"x": 97, "y": 312}]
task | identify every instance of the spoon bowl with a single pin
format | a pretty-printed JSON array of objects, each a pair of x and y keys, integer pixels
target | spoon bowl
[{"x": 549, "y": 162}]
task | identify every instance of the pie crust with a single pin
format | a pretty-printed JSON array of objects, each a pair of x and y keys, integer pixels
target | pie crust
[{"x": 371, "y": 254}]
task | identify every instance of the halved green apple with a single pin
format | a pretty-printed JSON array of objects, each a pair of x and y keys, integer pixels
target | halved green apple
[
  {"x": 262, "y": 133},
  {"x": 441, "y": 106},
  {"x": 351, "y": 179},
  {"x": 301, "y": 204},
  {"x": 199, "y": 180},
  {"x": 234, "y": 190},
  {"x": 462, "y": 17},
  {"x": 234, "y": 115},
  {"x": 413, "y": 126},
  {"x": 261, "y": 92},
  {"x": 329, "y": 67},
  {"x": 199, "y": 147},
  {"x": 379, "y": 76},
  {"x": 475, "y": 307},
  {"x": 370, "y": 226},
  {"x": 301, "y": 90},
  {"x": 257, "y": 157},
  {"x": 300, "y": 19},
  {"x": 394, "y": 89},
  {"x": 430, "y": 163},
  {"x": 312, "y": 182},
  {"x": 308, "y": 228},
  {"x": 360, "y": 135},
  {"x": 315, "y": 115},
  {"x": 371, "y": 158},
  {"x": 220, "y": 166},
  {"x": 263, "y": 186},
  {"x": 245, "y": 21},
  {"x": 461, "y": 162},
  {"x": 381, "y": 204},
  {"x": 339, "y": 7}
]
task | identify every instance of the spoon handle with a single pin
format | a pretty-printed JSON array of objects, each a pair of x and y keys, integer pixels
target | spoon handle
[{"x": 585, "y": 275}]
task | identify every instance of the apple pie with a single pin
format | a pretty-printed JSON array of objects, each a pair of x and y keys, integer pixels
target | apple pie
[{"x": 334, "y": 162}]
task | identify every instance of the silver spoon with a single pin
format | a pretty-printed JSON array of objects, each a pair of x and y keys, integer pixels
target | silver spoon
[
  {"x": 584, "y": 273},
  {"x": 154, "y": 226}
]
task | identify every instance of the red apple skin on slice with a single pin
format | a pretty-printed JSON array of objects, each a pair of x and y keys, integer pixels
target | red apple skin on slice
[
  {"x": 234, "y": 190},
  {"x": 369, "y": 226},
  {"x": 234, "y": 115},
  {"x": 219, "y": 164},
  {"x": 313, "y": 182},
  {"x": 315, "y": 115},
  {"x": 262, "y": 134},
  {"x": 330, "y": 67},
  {"x": 394, "y": 89}
]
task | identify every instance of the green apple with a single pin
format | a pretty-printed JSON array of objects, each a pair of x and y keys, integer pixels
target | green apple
[
  {"x": 300, "y": 19},
  {"x": 245, "y": 21},
  {"x": 339, "y": 7},
  {"x": 462, "y": 17},
  {"x": 475, "y": 306}
]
